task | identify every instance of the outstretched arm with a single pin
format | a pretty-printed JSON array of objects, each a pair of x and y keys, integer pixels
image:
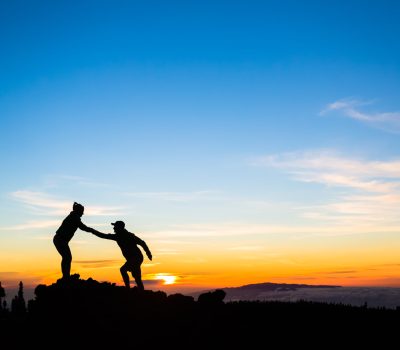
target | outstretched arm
[
  {"x": 103, "y": 235},
  {"x": 146, "y": 248},
  {"x": 83, "y": 227}
]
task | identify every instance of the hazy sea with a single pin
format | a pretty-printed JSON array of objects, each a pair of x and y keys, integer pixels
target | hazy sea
[{"x": 357, "y": 296}]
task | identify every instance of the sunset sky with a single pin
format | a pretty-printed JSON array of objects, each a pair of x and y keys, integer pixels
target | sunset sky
[{"x": 244, "y": 141}]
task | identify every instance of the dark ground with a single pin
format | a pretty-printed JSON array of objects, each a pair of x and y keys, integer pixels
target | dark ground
[{"x": 89, "y": 314}]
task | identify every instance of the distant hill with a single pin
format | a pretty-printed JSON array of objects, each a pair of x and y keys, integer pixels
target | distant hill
[{"x": 258, "y": 291}]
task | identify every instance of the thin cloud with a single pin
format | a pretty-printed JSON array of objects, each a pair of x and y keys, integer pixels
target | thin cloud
[
  {"x": 8, "y": 274},
  {"x": 39, "y": 201},
  {"x": 221, "y": 230},
  {"x": 376, "y": 209},
  {"x": 357, "y": 217},
  {"x": 32, "y": 225},
  {"x": 44, "y": 204},
  {"x": 329, "y": 168},
  {"x": 150, "y": 264},
  {"x": 373, "y": 187},
  {"x": 95, "y": 261},
  {"x": 44, "y": 238},
  {"x": 339, "y": 272},
  {"x": 168, "y": 252},
  {"x": 61, "y": 181},
  {"x": 387, "y": 121},
  {"x": 175, "y": 196},
  {"x": 98, "y": 263},
  {"x": 341, "y": 180}
]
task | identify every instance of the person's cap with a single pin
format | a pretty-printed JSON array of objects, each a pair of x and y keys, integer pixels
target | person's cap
[{"x": 120, "y": 224}]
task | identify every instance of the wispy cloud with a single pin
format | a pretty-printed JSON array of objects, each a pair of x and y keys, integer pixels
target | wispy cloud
[
  {"x": 167, "y": 251},
  {"x": 373, "y": 187},
  {"x": 340, "y": 272},
  {"x": 330, "y": 168},
  {"x": 32, "y": 225},
  {"x": 54, "y": 181},
  {"x": 40, "y": 202},
  {"x": 388, "y": 121},
  {"x": 222, "y": 230},
  {"x": 95, "y": 264},
  {"x": 45, "y": 204},
  {"x": 176, "y": 196}
]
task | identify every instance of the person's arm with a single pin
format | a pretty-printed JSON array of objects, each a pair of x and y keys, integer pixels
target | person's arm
[
  {"x": 145, "y": 247},
  {"x": 103, "y": 235},
  {"x": 83, "y": 227}
]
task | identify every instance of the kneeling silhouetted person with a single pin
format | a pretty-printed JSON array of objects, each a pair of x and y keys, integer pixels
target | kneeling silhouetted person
[{"x": 128, "y": 243}]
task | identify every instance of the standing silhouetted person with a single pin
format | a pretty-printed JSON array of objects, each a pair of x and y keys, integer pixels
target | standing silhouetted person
[
  {"x": 128, "y": 243},
  {"x": 64, "y": 234}
]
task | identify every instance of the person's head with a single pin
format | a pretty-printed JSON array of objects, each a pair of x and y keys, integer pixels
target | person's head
[
  {"x": 119, "y": 226},
  {"x": 78, "y": 208}
]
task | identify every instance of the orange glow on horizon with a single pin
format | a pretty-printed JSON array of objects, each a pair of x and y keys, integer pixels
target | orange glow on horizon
[
  {"x": 328, "y": 261},
  {"x": 168, "y": 279}
]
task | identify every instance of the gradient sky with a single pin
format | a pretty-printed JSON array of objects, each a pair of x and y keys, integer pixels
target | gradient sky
[{"x": 244, "y": 141}]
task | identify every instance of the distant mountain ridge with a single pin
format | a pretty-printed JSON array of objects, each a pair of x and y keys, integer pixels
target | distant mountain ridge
[
  {"x": 266, "y": 290},
  {"x": 268, "y": 286}
]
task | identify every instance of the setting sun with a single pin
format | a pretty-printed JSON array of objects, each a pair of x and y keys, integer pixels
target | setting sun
[{"x": 168, "y": 279}]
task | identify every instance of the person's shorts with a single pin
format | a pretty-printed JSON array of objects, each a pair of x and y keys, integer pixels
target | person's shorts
[
  {"x": 61, "y": 245},
  {"x": 133, "y": 265}
]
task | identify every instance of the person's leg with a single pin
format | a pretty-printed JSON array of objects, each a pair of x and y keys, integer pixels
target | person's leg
[
  {"x": 65, "y": 252},
  {"x": 125, "y": 276},
  {"x": 137, "y": 275},
  {"x": 66, "y": 262}
]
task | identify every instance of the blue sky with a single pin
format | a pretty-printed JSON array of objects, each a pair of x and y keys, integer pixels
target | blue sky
[{"x": 276, "y": 113}]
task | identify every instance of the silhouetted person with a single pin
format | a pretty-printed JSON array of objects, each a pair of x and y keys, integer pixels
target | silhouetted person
[
  {"x": 128, "y": 243},
  {"x": 64, "y": 234}
]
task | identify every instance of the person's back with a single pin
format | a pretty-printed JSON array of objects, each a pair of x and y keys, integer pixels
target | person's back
[
  {"x": 69, "y": 226},
  {"x": 128, "y": 242}
]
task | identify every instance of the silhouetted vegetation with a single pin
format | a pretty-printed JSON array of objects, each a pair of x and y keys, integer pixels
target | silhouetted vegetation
[
  {"x": 212, "y": 298},
  {"x": 3, "y": 303},
  {"x": 87, "y": 313},
  {"x": 2, "y": 294},
  {"x": 18, "y": 305}
]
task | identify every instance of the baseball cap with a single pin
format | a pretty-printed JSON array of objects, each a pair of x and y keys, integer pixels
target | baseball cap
[{"x": 118, "y": 224}]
